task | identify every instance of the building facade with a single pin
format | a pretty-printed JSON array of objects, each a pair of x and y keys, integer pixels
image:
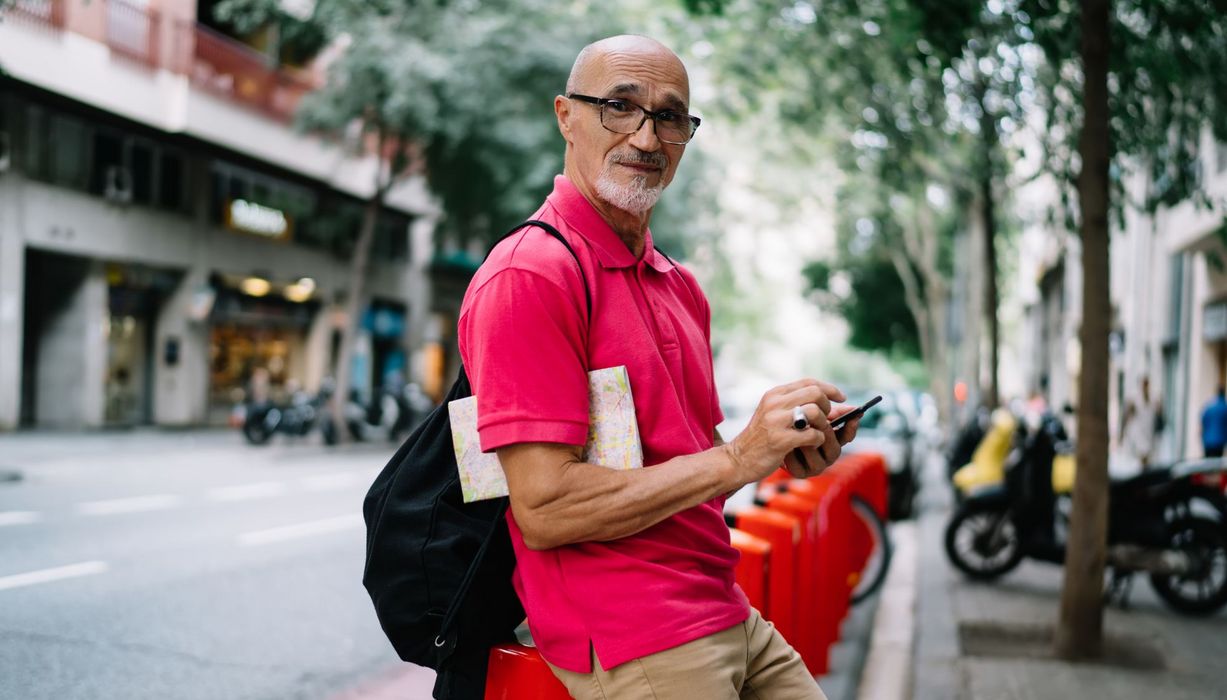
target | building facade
[
  {"x": 165, "y": 232},
  {"x": 1169, "y": 306}
]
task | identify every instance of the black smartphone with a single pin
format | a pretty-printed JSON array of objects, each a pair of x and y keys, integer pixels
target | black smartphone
[{"x": 840, "y": 421}]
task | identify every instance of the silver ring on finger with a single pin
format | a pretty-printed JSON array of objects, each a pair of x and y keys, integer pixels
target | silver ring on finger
[{"x": 799, "y": 421}]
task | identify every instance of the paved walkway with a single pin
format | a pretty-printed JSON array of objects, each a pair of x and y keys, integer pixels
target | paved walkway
[{"x": 1194, "y": 650}]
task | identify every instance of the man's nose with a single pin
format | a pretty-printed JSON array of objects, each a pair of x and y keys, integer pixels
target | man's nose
[{"x": 645, "y": 139}]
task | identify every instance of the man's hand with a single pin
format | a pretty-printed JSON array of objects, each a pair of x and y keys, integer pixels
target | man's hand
[{"x": 770, "y": 438}]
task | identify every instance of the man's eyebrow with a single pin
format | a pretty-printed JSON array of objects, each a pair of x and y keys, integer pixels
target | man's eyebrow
[{"x": 671, "y": 99}]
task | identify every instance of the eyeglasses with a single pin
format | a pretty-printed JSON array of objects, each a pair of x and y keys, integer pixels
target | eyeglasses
[{"x": 623, "y": 117}]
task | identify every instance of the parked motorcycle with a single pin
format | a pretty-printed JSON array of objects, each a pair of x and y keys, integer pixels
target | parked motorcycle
[
  {"x": 1169, "y": 522},
  {"x": 395, "y": 410},
  {"x": 297, "y": 418}
]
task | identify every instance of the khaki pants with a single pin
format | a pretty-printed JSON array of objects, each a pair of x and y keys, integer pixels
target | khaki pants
[{"x": 750, "y": 660}]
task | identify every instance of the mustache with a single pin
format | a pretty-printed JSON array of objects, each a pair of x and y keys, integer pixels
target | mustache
[{"x": 657, "y": 160}]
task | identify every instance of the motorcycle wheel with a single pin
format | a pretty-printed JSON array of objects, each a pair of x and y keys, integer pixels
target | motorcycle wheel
[
  {"x": 1202, "y": 590},
  {"x": 256, "y": 432},
  {"x": 970, "y": 544},
  {"x": 328, "y": 430},
  {"x": 874, "y": 573}
]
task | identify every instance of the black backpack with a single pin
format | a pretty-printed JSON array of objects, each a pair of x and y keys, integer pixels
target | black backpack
[{"x": 438, "y": 569}]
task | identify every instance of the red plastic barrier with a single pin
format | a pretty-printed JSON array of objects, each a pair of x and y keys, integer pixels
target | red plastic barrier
[
  {"x": 519, "y": 673},
  {"x": 809, "y": 641},
  {"x": 753, "y": 569},
  {"x": 871, "y": 481},
  {"x": 783, "y": 531},
  {"x": 829, "y": 492}
]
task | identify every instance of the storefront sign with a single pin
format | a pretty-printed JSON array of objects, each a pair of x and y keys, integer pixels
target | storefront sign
[
  {"x": 249, "y": 217},
  {"x": 1214, "y": 322}
]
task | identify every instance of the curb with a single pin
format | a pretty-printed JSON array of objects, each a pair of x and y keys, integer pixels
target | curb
[{"x": 888, "y": 668}]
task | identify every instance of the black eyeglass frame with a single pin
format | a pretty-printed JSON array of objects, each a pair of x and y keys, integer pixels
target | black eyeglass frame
[{"x": 647, "y": 114}]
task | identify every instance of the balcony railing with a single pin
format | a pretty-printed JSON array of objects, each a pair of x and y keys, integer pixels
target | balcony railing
[
  {"x": 132, "y": 31},
  {"x": 210, "y": 59},
  {"x": 231, "y": 69},
  {"x": 45, "y": 14}
]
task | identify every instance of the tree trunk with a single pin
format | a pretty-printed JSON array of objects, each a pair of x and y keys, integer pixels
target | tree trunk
[
  {"x": 988, "y": 142},
  {"x": 354, "y": 305},
  {"x": 1080, "y": 629}
]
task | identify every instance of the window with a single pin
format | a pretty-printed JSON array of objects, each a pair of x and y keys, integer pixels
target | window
[
  {"x": 108, "y": 154},
  {"x": 391, "y": 237},
  {"x": 231, "y": 182},
  {"x": 69, "y": 152},
  {"x": 141, "y": 167},
  {"x": 171, "y": 181}
]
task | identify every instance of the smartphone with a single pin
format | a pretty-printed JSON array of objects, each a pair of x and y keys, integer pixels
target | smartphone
[{"x": 840, "y": 421}]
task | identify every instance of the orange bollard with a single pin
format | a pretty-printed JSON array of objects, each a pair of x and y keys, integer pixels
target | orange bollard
[
  {"x": 753, "y": 569},
  {"x": 809, "y": 633},
  {"x": 517, "y": 672},
  {"x": 783, "y": 531}
]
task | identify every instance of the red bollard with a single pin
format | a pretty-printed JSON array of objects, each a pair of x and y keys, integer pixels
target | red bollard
[
  {"x": 833, "y": 558},
  {"x": 753, "y": 570},
  {"x": 809, "y": 641},
  {"x": 517, "y": 672},
  {"x": 783, "y": 531}
]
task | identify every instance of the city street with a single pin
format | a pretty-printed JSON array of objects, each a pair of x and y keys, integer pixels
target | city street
[{"x": 185, "y": 565}]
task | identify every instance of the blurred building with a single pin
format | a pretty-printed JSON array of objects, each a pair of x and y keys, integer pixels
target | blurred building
[
  {"x": 165, "y": 232},
  {"x": 1169, "y": 305}
]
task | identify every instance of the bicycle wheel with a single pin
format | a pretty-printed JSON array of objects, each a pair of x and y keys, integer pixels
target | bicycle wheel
[{"x": 877, "y": 562}]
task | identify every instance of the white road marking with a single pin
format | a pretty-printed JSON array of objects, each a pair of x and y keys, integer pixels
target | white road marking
[
  {"x": 290, "y": 532},
  {"x": 329, "y": 482},
  {"x": 18, "y": 517},
  {"x": 130, "y": 505},
  {"x": 47, "y": 575},
  {"x": 247, "y": 492}
]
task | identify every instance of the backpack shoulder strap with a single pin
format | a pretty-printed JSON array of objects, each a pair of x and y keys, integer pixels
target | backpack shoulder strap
[{"x": 553, "y": 232}]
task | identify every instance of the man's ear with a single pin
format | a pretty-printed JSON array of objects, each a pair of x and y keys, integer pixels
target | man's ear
[{"x": 562, "y": 110}]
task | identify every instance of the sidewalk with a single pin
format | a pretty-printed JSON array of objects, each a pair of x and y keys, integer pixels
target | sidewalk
[{"x": 951, "y": 611}]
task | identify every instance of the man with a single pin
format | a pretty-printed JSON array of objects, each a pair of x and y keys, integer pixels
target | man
[
  {"x": 1140, "y": 426},
  {"x": 1214, "y": 425},
  {"x": 627, "y": 576}
]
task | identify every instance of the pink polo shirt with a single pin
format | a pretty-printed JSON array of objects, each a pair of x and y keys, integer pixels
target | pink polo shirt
[{"x": 527, "y": 349}]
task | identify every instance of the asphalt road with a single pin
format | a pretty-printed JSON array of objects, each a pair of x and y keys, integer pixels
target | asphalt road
[{"x": 163, "y": 565}]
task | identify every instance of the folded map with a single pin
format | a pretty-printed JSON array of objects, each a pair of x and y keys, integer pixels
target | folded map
[{"x": 613, "y": 435}]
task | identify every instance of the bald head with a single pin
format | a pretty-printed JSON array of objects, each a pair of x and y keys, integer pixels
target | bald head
[{"x": 593, "y": 57}]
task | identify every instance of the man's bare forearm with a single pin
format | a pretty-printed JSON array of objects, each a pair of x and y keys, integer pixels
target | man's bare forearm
[{"x": 589, "y": 503}]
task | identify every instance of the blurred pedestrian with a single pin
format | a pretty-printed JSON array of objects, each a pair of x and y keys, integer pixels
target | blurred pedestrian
[
  {"x": 1142, "y": 422},
  {"x": 627, "y": 575},
  {"x": 1214, "y": 425}
]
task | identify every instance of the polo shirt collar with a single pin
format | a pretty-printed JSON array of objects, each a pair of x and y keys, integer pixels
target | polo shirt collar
[{"x": 580, "y": 215}]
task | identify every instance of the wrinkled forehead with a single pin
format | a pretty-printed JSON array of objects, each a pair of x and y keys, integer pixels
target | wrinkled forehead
[{"x": 655, "y": 78}]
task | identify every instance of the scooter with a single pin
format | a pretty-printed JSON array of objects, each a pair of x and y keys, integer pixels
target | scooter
[
  {"x": 297, "y": 418},
  {"x": 1169, "y": 522}
]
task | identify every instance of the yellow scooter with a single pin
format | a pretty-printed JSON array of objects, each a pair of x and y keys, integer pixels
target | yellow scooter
[{"x": 987, "y": 465}]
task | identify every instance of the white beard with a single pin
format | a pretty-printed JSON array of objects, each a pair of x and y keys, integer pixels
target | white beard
[{"x": 635, "y": 197}]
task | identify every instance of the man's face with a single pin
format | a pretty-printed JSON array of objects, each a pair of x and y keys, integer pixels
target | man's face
[{"x": 626, "y": 171}]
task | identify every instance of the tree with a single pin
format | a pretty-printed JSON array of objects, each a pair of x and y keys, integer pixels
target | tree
[
  {"x": 458, "y": 91},
  {"x": 1080, "y": 629},
  {"x": 1127, "y": 85},
  {"x": 901, "y": 81}
]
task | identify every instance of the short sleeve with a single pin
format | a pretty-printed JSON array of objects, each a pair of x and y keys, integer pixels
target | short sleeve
[
  {"x": 717, "y": 415},
  {"x": 522, "y": 340}
]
